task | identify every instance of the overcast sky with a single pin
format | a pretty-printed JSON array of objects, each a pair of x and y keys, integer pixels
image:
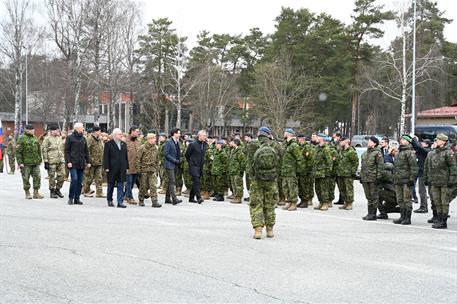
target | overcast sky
[{"x": 238, "y": 16}]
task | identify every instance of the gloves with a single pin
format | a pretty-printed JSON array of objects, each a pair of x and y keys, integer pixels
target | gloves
[
  {"x": 46, "y": 166},
  {"x": 410, "y": 184}
]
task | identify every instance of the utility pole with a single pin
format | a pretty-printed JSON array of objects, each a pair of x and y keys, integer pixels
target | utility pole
[{"x": 413, "y": 103}]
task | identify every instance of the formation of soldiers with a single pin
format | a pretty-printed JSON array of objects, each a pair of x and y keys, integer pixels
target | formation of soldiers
[{"x": 283, "y": 172}]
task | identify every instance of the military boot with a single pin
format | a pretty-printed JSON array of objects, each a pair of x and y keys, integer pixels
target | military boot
[
  {"x": 434, "y": 218},
  {"x": 37, "y": 195},
  {"x": 27, "y": 194},
  {"x": 371, "y": 216},
  {"x": 441, "y": 223},
  {"x": 258, "y": 233},
  {"x": 155, "y": 204},
  {"x": 178, "y": 191},
  {"x": 402, "y": 217},
  {"x": 348, "y": 206},
  {"x": 236, "y": 200},
  {"x": 53, "y": 193},
  {"x": 205, "y": 195},
  {"x": 141, "y": 203},
  {"x": 382, "y": 212},
  {"x": 302, "y": 204},
  {"x": 344, "y": 206},
  {"x": 324, "y": 207},
  {"x": 292, "y": 207},
  {"x": 58, "y": 193},
  {"x": 131, "y": 201},
  {"x": 407, "y": 219},
  {"x": 270, "y": 232},
  {"x": 318, "y": 206}
]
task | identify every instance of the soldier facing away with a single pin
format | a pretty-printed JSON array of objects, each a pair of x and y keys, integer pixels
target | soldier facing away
[{"x": 292, "y": 162}]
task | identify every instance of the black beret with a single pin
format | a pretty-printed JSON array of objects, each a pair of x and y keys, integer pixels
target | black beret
[{"x": 29, "y": 127}]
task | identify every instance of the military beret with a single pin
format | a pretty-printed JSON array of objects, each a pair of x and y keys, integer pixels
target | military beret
[
  {"x": 290, "y": 131},
  {"x": 407, "y": 137},
  {"x": 265, "y": 131},
  {"x": 442, "y": 137},
  {"x": 374, "y": 139},
  {"x": 29, "y": 127},
  {"x": 221, "y": 142},
  {"x": 53, "y": 127}
]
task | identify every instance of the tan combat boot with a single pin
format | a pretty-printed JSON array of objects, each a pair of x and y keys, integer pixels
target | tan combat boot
[
  {"x": 205, "y": 195},
  {"x": 318, "y": 206},
  {"x": 131, "y": 201},
  {"x": 37, "y": 194},
  {"x": 270, "y": 232},
  {"x": 292, "y": 207},
  {"x": 344, "y": 206},
  {"x": 27, "y": 194},
  {"x": 178, "y": 191},
  {"x": 324, "y": 207},
  {"x": 141, "y": 203},
  {"x": 236, "y": 200},
  {"x": 258, "y": 233},
  {"x": 349, "y": 206}
]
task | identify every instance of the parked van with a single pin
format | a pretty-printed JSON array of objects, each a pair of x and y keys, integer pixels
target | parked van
[{"x": 430, "y": 131}]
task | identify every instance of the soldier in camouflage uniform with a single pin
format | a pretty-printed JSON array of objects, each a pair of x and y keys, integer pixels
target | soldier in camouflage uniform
[
  {"x": 28, "y": 155},
  {"x": 207, "y": 183},
  {"x": 305, "y": 174},
  {"x": 219, "y": 171},
  {"x": 162, "y": 173},
  {"x": 346, "y": 167},
  {"x": 11, "y": 153},
  {"x": 246, "y": 147},
  {"x": 54, "y": 161},
  {"x": 95, "y": 146},
  {"x": 147, "y": 163},
  {"x": 322, "y": 173},
  {"x": 237, "y": 166},
  {"x": 370, "y": 175},
  {"x": 292, "y": 162},
  {"x": 405, "y": 173},
  {"x": 228, "y": 185},
  {"x": 264, "y": 185},
  {"x": 442, "y": 176},
  {"x": 280, "y": 147},
  {"x": 333, "y": 176}
]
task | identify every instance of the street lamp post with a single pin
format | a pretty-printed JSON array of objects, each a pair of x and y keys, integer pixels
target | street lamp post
[
  {"x": 26, "y": 88},
  {"x": 413, "y": 102}
]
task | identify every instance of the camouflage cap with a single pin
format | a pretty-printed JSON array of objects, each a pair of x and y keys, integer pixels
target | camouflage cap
[{"x": 442, "y": 137}]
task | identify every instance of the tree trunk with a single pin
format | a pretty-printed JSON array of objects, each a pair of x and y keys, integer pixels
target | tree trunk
[
  {"x": 355, "y": 100},
  {"x": 18, "y": 101}
]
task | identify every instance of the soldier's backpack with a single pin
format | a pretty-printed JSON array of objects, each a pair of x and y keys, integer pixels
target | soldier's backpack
[{"x": 265, "y": 163}]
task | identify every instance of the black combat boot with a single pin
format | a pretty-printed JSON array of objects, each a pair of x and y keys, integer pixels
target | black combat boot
[
  {"x": 434, "y": 218},
  {"x": 382, "y": 212},
  {"x": 402, "y": 217},
  {"x": 407, "y": 219},
  {"x": 58, "y": 193},
  {"x": 371, "y": 216},
  {"x": 441, "y": 223},
  {"x": 53, "y": 193}
]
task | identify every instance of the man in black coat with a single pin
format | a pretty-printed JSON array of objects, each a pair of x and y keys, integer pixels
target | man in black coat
[
  {"x": 76, "y": 159},
  {"x": 195, "y": 155},
  {"x": 116, "y": 163},
  {"x": 422, "y": 148}
]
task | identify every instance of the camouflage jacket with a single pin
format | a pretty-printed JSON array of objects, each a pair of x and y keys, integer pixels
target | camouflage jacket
[
  {"x": 147, "y": 158},
  {"x": 372, "y": 165},
  {"x": 162, "y": 152},
  {"x": 237, "y": 162},
  {"x": 405, "y": 166},
  {"x": 28, "y": 150},
  {"x": 347, "y": 163},
  {"x": 220, "y": 163},
  {"x": 292, "y": 159},
  {"x": 440, "y": 167},
  {"x": 323, "y": 162},
  {"x": 208, "y": 163},
  {"x": 248, "y": 151},
  {"x": 95, "y": 147},
  {"x": 52, "y": 151},
  {"x": 309, "y": 154}
]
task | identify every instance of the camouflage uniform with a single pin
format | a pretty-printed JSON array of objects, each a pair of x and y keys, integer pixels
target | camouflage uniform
[
  {"x": 95, "y": 146},
  {"x": 54, "y": 155},
  {"x": 249, "y": 150},
  {"x": 219, "y": 171},
  {"x": 237, "y": 165},
  {"x": 292, "y": 161},
  {"x": 11, "y": 153},
  {"x": 305, "y": 174},
  {"x": 371, "y": 170},
  {"x": 264, "y": 194},
  {"x": 28, "y": 153},
  {"x": 162, "y": 173},
  {"x": 228, "y": 183},
  {"x": 147, "y": 163},
  {"x": 207, "y": 183},
  {"x": 322, "y": 171},
  {"x": 280, "y": 148},
  {"x": 333, "y": 176},
  {"x": 346, "y": 167},
  {"x": 405, "y": 173}
]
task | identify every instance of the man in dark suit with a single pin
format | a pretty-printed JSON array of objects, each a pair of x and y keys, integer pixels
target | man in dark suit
[
  {"x": 172, "y": 155},
  {"x": 116, "y": 163},
  {"x": 195, "y": 156}
]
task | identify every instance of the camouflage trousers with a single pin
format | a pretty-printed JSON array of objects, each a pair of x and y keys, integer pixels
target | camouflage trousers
[
  {"x": 12, "y": 162},
  {"x": 219, "y": 184},
  {"x": 322, "y": 189},
  {"x": 280, "y": 190},
  {"x": 371, "y": 194},
  {"x": 346, "y": 188},
  {"x": 56, "y": 174},
  {"x": 331, "y": 188},
  {"x": 237, "y": 185},
  {"x": 290, "y": 189},
  {"x": 179, "y": 177},
  {"x": 148, "y": 183},
  {"x": 305, "y": 187},
  {"x": 33, "y": 171},
  {"x": 262, "y": 202},
  {"x": 206, "y": 182},
  {"x": 440, "y": 198},
  {"x": 404, "y": 195},
  {"x": 94, "y": 173}
]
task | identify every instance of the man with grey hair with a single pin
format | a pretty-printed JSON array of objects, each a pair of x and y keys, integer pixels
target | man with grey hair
[
  {"x": 76, "y": 160},
  {"x": 116, "y": 164},
  {"x": 195, "y": 155}
]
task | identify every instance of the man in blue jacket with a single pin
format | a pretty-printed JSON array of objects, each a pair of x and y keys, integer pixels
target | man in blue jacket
[{"x": 172, "y": 155}]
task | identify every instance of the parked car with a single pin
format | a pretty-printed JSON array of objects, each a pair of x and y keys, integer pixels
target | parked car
[{"x": 358, "y": 141}]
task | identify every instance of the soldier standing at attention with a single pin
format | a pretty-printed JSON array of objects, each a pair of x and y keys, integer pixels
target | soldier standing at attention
[
  {"x": 264, "y": 185},
  {"x": 405, "y": 173},
  {"x": 54, "y": 161},
  {"x": 147, "y": 163},
  {"x": 95, "y": 147},
  {"x": 442, "y": 177},
  {"x": 292, "y": 162},
  {"x": 346, "y": 167},
  {"x": 28, "y": 154},
  {"x": 322, "y": 173},
  {"x": 370, "y": 176}
]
